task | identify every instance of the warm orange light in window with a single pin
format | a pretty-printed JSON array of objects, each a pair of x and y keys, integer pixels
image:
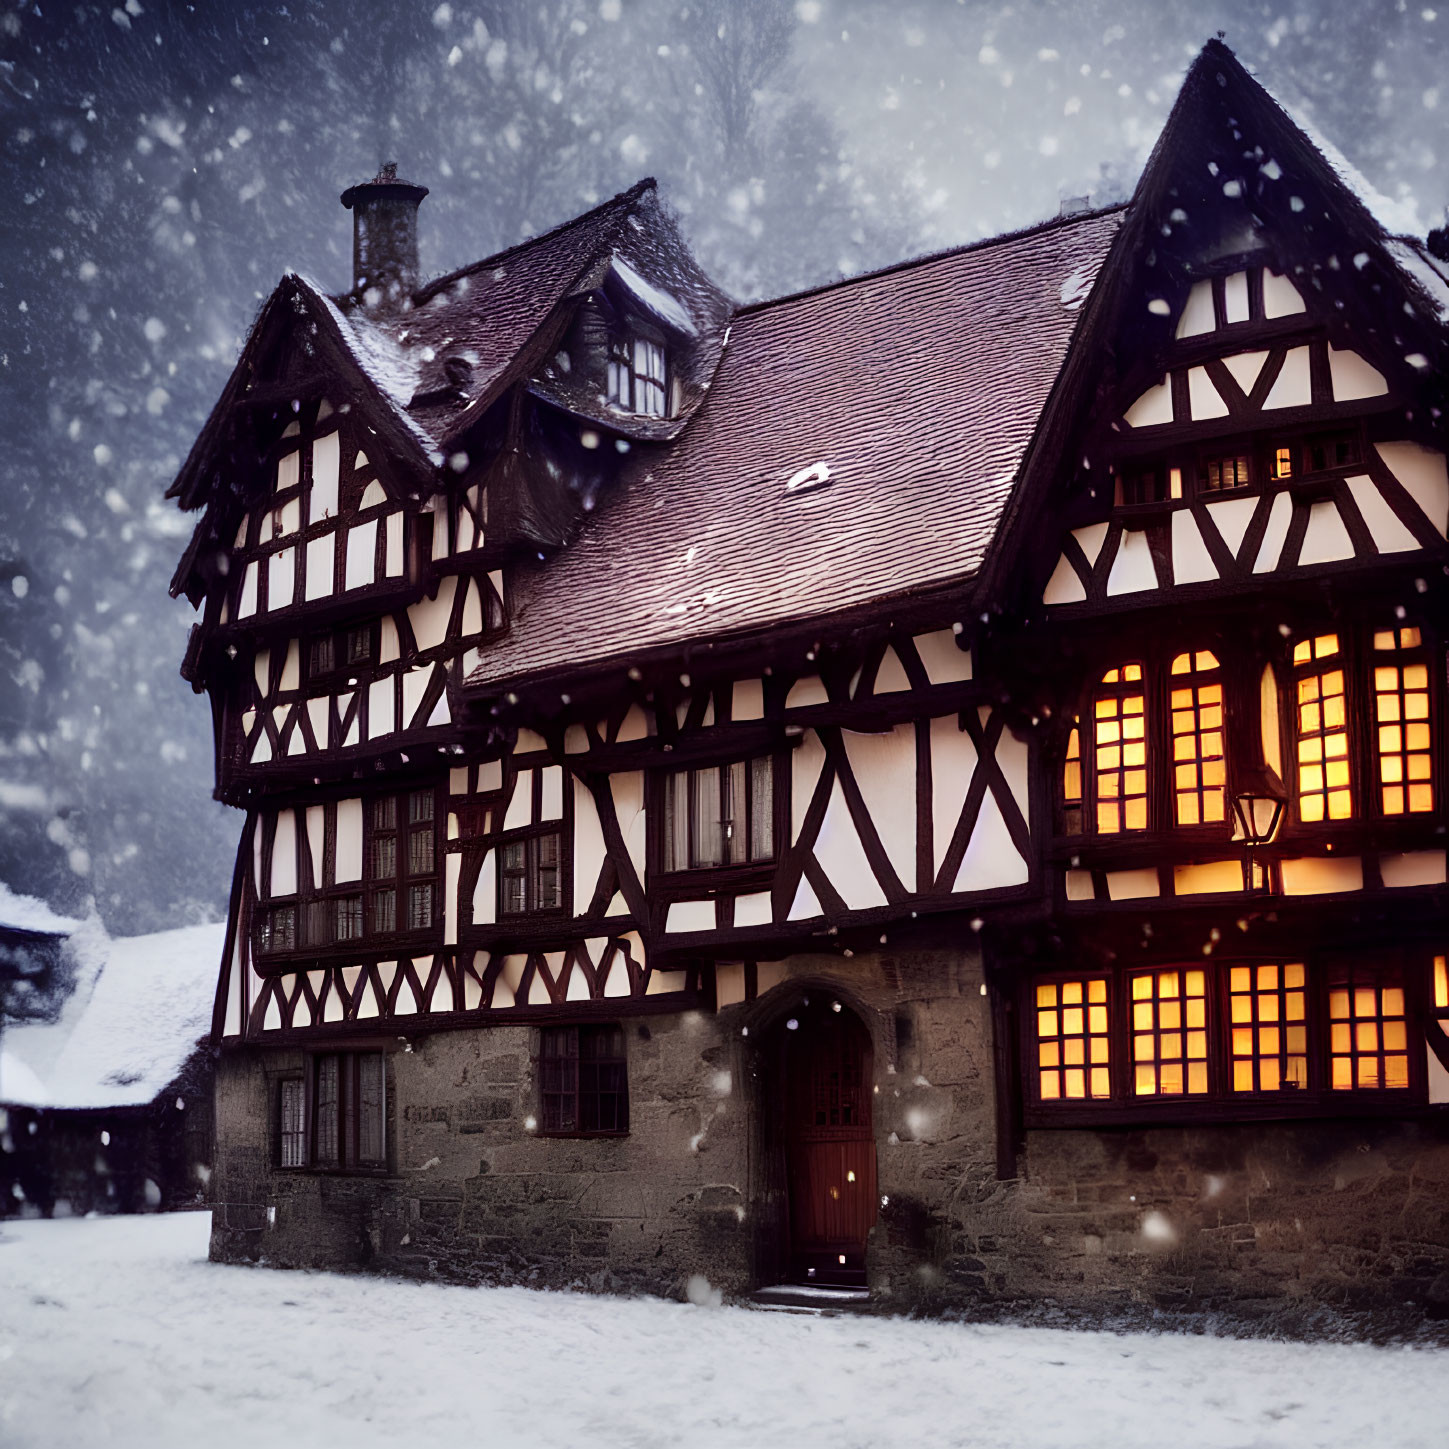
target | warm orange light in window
[
  {"x": 1071, "y": 1039},
  {"x": 1323, "y": 778},
  {"x": 1072, "y": 784},
  {"x": 1322, "y": 647},
  {"x": 1368, "y": 1032},
  {"x": 1441, "y": 984},
  {"x": 1119, "y": 737},
  {"x": 1401, "y": 736},
  {"x": 1169, "y": 1033},
  {"x": 1283, "y": 462},
  {"x": 1269, "y": 1032},
  {"x": 1198, "y": 763}
]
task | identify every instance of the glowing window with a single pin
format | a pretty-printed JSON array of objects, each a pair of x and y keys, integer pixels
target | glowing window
[
  {"x": 1324, "y": 790},
  {"x": 1269, "y": 1010},
  {"x": 1441, "y": 984},
  {"x": 1401, "y": 716},
  {"x": 1072, "y": 783},
  {"x": 1368, "y": 1043},
  {"x": 1282, "y": 462},
  {"x": 1199, "y": 767},
  {"x": 1169, "y": 1033},
  {"x": 1119, "y": 759},
  {"x": 1071, "y": 1039}
]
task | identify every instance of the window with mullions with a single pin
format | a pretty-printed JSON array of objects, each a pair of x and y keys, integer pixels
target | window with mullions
[
  {"x": 1325, "y": 790},
  {"x": 1402, "y": 743},
  {"x": 1199, "y": 757},
  {"x": 720, "y": 815},
  {"x": 583, "y": 1081},
  {"x": 638, "y": 376},
  {"x": 1268, "y": 1033},
  {"x": 340, "y": 649},
  {"x": 1217, "y": 474},
  {"x": 1169, "y": 1033},
  {"x": 291, "y": 1122},
  {"x": 403, "y": 862},
  {"x": 1073, "y": 1049},
  {"x": 1368, "y": 1030},
  {"x": 349, "y": 1110},
  {"x": 1119, "y": 751},
  {"x": 528, "y": 873}
]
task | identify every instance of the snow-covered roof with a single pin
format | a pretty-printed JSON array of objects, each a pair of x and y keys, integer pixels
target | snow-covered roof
[
  {"x": 28, "y": 913},
  {"x": 125, "y": 1039}
]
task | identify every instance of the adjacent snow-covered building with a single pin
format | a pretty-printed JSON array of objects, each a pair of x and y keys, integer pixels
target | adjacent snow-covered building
[
  {"x": 932, "y": 783},
  {"x": 108, "y": 1107}
]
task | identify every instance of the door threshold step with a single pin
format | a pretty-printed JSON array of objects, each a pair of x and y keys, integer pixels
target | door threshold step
[{"x": 818, "y": 1298}]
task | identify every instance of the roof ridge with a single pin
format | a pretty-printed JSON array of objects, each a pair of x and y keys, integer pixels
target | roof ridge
[
  {"x": 981, "y": 244},
  {"x": 426, "y": 293}
]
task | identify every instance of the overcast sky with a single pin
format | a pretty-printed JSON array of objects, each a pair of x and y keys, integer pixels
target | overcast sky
[{"x": 164, "y": 163}]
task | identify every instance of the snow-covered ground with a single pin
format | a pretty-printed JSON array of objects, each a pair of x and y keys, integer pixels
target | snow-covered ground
[{"x": 117, "y": 1331}]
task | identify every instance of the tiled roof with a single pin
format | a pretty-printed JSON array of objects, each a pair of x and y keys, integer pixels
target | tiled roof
[{"x": 917, "y": 388}]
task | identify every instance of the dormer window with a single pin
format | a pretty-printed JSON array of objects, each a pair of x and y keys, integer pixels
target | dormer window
[{"x": 637, "y": 376}]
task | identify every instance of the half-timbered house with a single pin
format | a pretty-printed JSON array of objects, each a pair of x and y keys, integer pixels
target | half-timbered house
[{"x": 931, "y": 784}]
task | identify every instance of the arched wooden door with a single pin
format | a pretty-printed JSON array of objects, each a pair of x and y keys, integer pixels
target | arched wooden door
[{"x": 829, "y": 1142}]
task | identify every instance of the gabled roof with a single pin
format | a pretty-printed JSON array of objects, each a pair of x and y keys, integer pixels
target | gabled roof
[
  {"x": 126, "y": 1033},
  {"x": 917, "y": 389}
]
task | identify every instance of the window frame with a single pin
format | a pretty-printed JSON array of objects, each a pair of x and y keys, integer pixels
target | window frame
[
  {"x": 661, "y": 822},
  {"x": 1409, "y": 969},
  {"x": 529, "y": 839},
  {"x": 312, "y": 903},
  {"x": 348, "y": 1125},
  {"x": 576, "y": 1034}
]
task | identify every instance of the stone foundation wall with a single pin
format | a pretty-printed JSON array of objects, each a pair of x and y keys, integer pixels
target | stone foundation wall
[{"x": 1244, "y": 1219}]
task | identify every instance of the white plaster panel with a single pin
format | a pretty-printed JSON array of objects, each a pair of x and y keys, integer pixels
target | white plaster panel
[
  {"x": 465, "y": 530},
  {"x": 414, "y": 687},
  {"x": 1415, "y": 868},
  {"x": 617, "y": 982},
  {"x": 589, "y": 851},
  {"x": 1326, "y": 540},
  {"x": 884, "y": 767},
  {"x": 992, "y": 861},
  {"x": 1091, "y": 537},
  {"x": 261, "y": 671},
  {"x": 1438, "y": 1078},
  {"x": 627, "y": 788},
  {"x": 452, "y": 866},
  {"x": 319, "y": 711},
  {"x": 1153, "y": 408},
  {"x": 1079, "y": 886},
  {"x": 1132, "y": 885},
  {"x": 472, "y": 610},
  {"x": 747, "y": 699},
  {"x": 1292, "y": 388},
  {"x": 1231, "y": 517},
  {"x": 1385, "y": 526},
  {"x": 292, "y": 666},
  {"x": 1212, "y": 877},
  {"x": 753, "y": 910},
  {"x": 729, "y": 983},
  {"x": 394, "y": 560},
  {"x": 388, "y": 646},
  {"x": 690, "y": 916},
  {"x": 439, "y": 509},
  {"x": 520, "y": 802},
  {"x": 320, "y": 553},
  {"x": 576, "y": 740},
  {"x": 890, "y": 678},
  {"x": 1132, "y": 570},
  {"x": 326, "y": 458},
  {"x": 284, "y": 854},
  {"x": 290, "y": 519},
  {"x": 361, "y": 555},
  {"x": 942, "y": 659},
  {"x": 1421, "y": 471},
  {"x": 429, "y": 617},
  {"x": 1274, "y": 535},
  {"x": 665, "y": 983},
  {"x": 261, "y": 749},
  {"x": 805, "y": 906},
  {"x": 551, "y": 805},
  {"x": 348, "y": 864},
  {"x": 805, "y": 766},
  {"x": 1198, "y": 316},
  {"x": 485, "y": 891},
  {"x": 1245, "y": 367},
  {"x": 1013, "y": 756},
  {"x": 490, "y": 775},
  {"x": 526, "y": 741},
  {"x": 1203, "y": 397},
  {"x": 1280, "y": 297},
  {"x": 538, "y": 992},
  {"x": 806, "y": 691},
  {"x": 247, "y": 605},
  {"x": 953, "y": 763},
  {"x": 282, "y": 578},
  {"x": 842, "y": 857},
  {"x": 315, "y": 822},
  {"x": 635, "y": 725},
  {"x": 1235, "y": 297},
  {"x": 379, "y": 708},
  {"x": 1269, "y": 729},
  {"x": 289, "y": 470},
  {"x": 1191, "y": 561},
  {"x": 374, "y": 493},
  {"x": 1065, "y": 585},
  {"x": 1322, "y": 875},
  {"x": 1353, "y": 376}
]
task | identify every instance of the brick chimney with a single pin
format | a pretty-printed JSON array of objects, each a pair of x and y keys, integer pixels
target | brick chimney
[{"x": 384, "y": 238}]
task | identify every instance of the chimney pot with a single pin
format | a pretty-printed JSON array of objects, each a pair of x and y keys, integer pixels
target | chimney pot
[{"x": 384, "y": 238}]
